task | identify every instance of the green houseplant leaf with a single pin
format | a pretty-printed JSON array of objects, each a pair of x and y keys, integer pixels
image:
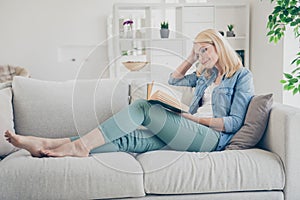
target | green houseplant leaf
[
  {"x": 286, "y": 13},
  {"x": 164, "y": 25}
]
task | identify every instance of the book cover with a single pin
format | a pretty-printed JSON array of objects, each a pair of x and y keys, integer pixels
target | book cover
[{"x": 169, "y": 99}]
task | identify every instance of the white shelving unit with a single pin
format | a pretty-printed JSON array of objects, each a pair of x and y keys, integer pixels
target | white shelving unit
[{"x": 143, "y": 42}]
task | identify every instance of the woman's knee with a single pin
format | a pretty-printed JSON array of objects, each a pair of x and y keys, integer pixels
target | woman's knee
[{"x": 140, "y": 103}]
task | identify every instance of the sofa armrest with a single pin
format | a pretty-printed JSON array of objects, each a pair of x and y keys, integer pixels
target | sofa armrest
[{"x": 283, "y": 138}]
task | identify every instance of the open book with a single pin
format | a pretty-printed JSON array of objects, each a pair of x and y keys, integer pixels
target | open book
[{"x": 169, "y": 99}]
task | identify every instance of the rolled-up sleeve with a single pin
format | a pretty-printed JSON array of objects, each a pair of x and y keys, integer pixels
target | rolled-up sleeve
[
  {"x": 187, "y": 80},
  {"x": 242, "y": 95}
]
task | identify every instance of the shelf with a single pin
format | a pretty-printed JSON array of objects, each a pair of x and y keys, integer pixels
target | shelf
[
  {"x": 186, "y": 20},
  {"x": 134, "y": 39},
  {"x": 236, "y": 38}
]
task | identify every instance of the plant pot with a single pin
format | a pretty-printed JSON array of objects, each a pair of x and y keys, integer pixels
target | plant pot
[
  {"x": 230, "y": 34},
  {"x": 164, "y": 33}
]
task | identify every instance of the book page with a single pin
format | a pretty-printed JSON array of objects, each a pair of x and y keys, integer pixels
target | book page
[
  {"x": 154, "y": 86},
  {"x": 159, "y": 93}
]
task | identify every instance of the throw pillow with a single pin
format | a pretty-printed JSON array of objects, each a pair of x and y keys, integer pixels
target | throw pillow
[
  {"x": 7, "y": 121},
  {"x": 255, "y": 124}
]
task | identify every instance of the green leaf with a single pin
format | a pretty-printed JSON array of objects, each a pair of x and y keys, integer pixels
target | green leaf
[
  {"x": 294, "y": 11},
  {"x": 288, "y": 76},
  {"x": 293, "y": 62},
  {"x": 295, "y": 70},
  {"x": 290, "y": 87},
  {"x": 277, "y": 30},
  {"x": 283, "y": 81},
  {"x": 288, "y": 20},
  {"x": 270, "y": 32},
  {"x": 277, "y": 9},
  {"x": 299, "y": 87},
  {"x": 270, "y": 17},
  {"x": 293, "y": 80},
  {"x": 285, "y": 87},
  {"x": 282, "y": 17},
  {"x": 295, "y": 91},
  {"x": 293, "y": 3},
  {"x": 293, "y": 24}
]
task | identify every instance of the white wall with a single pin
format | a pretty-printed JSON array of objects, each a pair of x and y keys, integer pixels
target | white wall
[
  {"x": 42, "y": 34},
  {"x": 266, "y": 58},
  {"x": 269, "y": 60}
]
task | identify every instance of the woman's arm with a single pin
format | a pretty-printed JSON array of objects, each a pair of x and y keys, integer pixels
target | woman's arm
[
  {"x": 184, "y": 66},
  {"x": 214, "y": 123},
  {"x": 179, "y": 78},
  {"x": 181, "y": 69}
]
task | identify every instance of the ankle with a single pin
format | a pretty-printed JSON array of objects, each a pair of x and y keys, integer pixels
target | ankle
[{"x": 80, "y": 146}]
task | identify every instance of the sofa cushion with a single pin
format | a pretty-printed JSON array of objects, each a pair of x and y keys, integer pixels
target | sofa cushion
[
  {"x": 64, "y": 109},
  {"x": 171, "y": 172},
  {"x": 99, "y": 176},
  {"x": 6, "y": 120},
  {"x": 255, "y": 124}
]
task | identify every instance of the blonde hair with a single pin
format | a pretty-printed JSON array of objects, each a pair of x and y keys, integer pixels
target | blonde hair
[{"x": 228, "y": 60}]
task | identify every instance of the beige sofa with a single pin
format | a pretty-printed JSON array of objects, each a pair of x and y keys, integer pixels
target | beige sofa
[{"x": 51, "y": 109}]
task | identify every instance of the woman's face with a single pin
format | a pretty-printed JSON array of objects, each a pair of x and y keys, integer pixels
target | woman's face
[{"x": 206, "y": 54}]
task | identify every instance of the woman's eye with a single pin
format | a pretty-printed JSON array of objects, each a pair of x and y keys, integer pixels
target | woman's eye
[{"x": 203, "y": 50}]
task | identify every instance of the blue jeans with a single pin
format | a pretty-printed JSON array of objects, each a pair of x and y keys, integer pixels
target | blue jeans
[{"x": 163, "y": 129}]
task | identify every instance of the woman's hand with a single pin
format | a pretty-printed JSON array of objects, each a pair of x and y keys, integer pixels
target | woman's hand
[
  {"x": 193, "y": 57},
  {"x": 190, "y": 117},
  {"x": 214, "y": 123},
  {"x": 185, "y": 65}
]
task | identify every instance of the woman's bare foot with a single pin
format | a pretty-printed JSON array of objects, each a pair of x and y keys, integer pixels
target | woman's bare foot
[
  {"x": 75, "y": 149},
  {"x": 34, "y": 144}
]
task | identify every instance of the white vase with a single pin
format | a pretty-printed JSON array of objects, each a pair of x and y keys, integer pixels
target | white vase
[
  {"x": 128, "y": 33},
  {"x": 164, "y": 33}
]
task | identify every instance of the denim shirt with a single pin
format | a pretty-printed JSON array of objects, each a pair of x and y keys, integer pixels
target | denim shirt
[{"x": 230, "y": 98}]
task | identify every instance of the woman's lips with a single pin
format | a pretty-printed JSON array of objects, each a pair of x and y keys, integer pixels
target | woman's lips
[{"x": 205, "y": 62}]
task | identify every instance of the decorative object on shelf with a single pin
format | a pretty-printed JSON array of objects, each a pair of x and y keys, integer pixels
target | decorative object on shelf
[
  {"x": 241, "y": 54},
  {"x": 135, "y": 65},
  {"x": 230, "y": 32},
  {"x": 286, "y": 13},
  {"x": 164, "y": 29},
  {"x": 127, "y": 25}
]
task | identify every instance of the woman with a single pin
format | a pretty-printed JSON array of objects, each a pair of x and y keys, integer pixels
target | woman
[{"x": 223, "y": 88}]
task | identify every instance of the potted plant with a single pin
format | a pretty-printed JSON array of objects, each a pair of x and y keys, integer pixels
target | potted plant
[
  {"x": 128, "y": 28},
  {"x": 164, "y": 29},
  {"x": 286, "y": 14},
  {"x": 230, "y": 32}
]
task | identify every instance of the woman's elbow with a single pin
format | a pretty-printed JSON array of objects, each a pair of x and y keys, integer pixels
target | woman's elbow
[
  {"x": 172, "y": 80},
  {"x": 232, "y": 124}
]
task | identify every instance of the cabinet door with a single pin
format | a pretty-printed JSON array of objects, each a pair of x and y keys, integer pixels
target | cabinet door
[
  {"x": 191, "y": 29},
  {"x": 196, "y": 19},
  {"x": 198, "y": 14}
]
